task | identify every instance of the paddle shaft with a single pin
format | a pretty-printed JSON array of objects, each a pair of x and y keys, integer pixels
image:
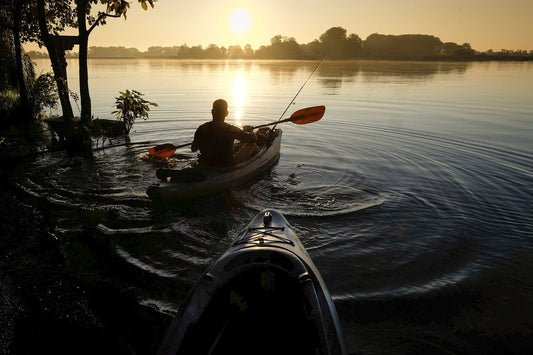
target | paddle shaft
[
  {"x": 302, "y": 116},
  {"x": 271, "y": 123},
  {"x": 183, "y": 145},
  {"x": 254, "y": 127}
]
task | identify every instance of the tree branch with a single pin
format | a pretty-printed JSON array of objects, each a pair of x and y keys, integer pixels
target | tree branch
[{"x": 100, "y": 18}]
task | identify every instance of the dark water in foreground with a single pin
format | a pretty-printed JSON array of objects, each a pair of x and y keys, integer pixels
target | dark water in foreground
[{"x": 413, "y": 195}]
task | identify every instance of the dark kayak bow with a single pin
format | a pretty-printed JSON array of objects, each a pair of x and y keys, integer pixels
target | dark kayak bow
[{"x": 264, "y": 295}]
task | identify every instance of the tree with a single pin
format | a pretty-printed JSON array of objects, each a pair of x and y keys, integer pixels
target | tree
[
  {"x": 402, "y": 46},
  {"x": 249, "y": 51},
  {"x": 213, "y": 52},
  {"x": 466, "y": 50},
  {"x": 18, "y": 21},
  {"x": 281, "y": 47},
  {"x": 114, "y": 8},
  {"x": 355, "y": 45},
  {"x": 313, "y": 50},
  {"x": 16, "y": 28},
  {"x": 196, "y": 52},
  {"x": 337, "y": 45},
  {"x": 52, "y": 18},
  {"x": 235, "y": 52}
]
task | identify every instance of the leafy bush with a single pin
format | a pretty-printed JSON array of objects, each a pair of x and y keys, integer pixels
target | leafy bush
[
  {"x": 130, "y": 106},
  {"x": 9, "y": 101},
  {"x": 43, "y": 93}
]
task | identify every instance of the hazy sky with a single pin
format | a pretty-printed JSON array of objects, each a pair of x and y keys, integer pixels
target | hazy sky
[{"x": 485, "y": 24}]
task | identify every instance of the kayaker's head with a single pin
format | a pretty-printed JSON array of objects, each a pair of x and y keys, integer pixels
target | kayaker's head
[{"x": 220, "y": 110}]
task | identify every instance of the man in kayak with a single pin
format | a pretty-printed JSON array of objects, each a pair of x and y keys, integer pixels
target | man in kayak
[{"x": 215, "y": 139}]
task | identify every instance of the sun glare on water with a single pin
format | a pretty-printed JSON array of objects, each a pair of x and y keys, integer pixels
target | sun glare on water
[
  {"x": 240, "y": 20},
  {"x": 239, "y": 95}
]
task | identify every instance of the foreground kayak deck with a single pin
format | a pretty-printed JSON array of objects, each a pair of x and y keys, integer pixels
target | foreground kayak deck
[
  {"x": 264, "y": 295},
  {"x": 193, "y": 182}
]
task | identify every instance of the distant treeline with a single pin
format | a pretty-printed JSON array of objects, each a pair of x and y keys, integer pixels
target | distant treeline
[{"x": 335, "y": 43}]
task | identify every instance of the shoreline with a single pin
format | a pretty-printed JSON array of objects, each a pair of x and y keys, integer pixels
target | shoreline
[
  {"x": 45, "y": 305},
  {"x": 478, "y": 58}
]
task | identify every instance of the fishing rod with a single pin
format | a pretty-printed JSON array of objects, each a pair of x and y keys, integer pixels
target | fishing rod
[{"x": 294, "y": 98}]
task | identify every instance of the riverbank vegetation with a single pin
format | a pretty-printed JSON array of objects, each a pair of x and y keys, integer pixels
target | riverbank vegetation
[
  {"x": 335, "y": 43},
  {"x": 23, "y": 95}
]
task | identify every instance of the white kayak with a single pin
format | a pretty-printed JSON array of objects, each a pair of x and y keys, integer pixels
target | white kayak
[{"x": 196, "y": 181}]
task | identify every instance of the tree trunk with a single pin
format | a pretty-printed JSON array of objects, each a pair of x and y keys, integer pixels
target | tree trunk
[
  {"x": 84, "y": 73},
  {"x": 24, "y": 106},
  {"x": 77, "y": 138},
  {"x": 59, "y": 76}
]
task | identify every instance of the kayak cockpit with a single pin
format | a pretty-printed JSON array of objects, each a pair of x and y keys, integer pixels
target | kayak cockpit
[
  {"x": 262, "y": 296},
  {"x": 263, "y": 310}
]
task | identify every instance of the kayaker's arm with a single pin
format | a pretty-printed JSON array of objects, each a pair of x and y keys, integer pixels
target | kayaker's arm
[
  {"x": 247, "y": 135},
  {"x": 195, "y": 145}
]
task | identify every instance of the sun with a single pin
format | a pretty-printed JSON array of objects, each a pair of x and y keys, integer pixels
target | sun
[{"x": 240, "y": 20}]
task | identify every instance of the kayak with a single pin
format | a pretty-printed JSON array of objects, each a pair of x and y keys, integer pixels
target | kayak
[
  {"x": 264, "y": 295},
  {"x": 196, "y": 181}
]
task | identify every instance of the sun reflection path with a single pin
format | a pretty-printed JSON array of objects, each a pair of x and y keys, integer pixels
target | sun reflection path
[{"x": 239, "y": 94}]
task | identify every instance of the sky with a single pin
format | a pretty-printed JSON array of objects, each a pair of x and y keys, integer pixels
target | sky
[{"x": 485, "y": 24}]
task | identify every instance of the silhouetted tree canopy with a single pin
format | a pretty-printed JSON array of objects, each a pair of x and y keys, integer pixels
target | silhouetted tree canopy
[
  {"x": 402, "y": 47},
  {"x": 335, "y": 43},
  {"x": 280, "y": 48}
]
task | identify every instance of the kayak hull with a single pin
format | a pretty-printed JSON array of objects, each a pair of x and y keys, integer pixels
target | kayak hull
[
  {"x": 264, "y": 295},
  {"x": 200, "y": 182}
]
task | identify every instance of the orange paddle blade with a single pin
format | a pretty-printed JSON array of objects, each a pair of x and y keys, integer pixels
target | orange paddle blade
[
  {"x": 163, "y": 150},
  {"x": 303, "y": 116},
  {"x": 308, "y": 115}
]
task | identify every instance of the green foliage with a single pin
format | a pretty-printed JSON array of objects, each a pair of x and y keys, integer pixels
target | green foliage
[
  {"x": 41, "y": 90},
  {"x": 130, "y": 106},
  {"x": 43, "y": 93},
  {"x": 9, "y": 101},
  {"x": 8, "y": 77},
  {"x": 114, "y": 8}
]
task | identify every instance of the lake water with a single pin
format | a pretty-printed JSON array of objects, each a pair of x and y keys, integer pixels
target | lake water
[{"x": 413, "y": 195}]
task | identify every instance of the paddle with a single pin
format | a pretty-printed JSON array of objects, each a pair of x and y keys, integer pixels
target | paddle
[
  {"x": 302, "y": 116},
  {"x": 165, "y": 150}
]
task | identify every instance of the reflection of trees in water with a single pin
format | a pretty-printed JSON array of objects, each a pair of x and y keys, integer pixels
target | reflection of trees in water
[
  {"x": 187, "y": 65},
  {"x": 411, "y": 69},
  {"x": 104, "y": 65},
  {"x": 332, "y": 75},
  {"x": 282, "y": 70}
]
